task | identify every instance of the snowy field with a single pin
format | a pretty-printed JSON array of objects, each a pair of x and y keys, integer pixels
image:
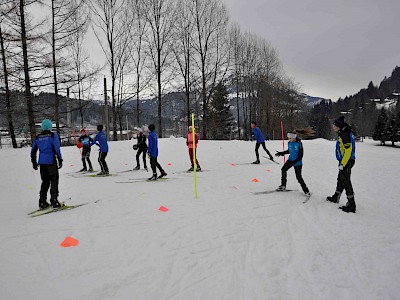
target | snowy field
[{"x": 230, "y": 243}]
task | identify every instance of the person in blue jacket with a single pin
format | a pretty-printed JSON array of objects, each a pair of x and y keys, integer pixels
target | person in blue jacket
[
  {"x": 50, "y": 160},
  {"x": 153, "y": 153},
  {"x": 345, "y": 154},
  {"x": 85, "y": 141},
  {"x": 258, "y": 136},
  {"x": 101, "y": 141},
  {"x": 295, "y": 151}
]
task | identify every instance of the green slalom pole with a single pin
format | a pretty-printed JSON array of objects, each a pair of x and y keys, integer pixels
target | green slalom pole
[{"x": 194, "y": 157}]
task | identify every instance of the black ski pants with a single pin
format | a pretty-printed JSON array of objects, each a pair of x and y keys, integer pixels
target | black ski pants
[
  {"x": 155, "y": 165},
  {"x": 140, "y": 151},
  {"x": 265, "y": 148},
  {"x": 102, "y": 161},
  {"x": 344, "y": 180},
  {"x": 86, "y": 156},
  {"x": 49, "y": 176},
  {"x": 297, "y": 170}
]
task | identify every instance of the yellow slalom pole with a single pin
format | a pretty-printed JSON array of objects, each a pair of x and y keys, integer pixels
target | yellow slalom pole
[{"x": 194, "y": 157}]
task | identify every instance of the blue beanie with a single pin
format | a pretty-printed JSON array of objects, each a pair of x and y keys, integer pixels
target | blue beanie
[{"x": 47, "y": 125}]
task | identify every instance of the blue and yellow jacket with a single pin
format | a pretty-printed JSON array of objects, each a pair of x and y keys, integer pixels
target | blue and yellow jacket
[
  {"x": 345, "y": 146},
  {"x": 48, "y": 144}
]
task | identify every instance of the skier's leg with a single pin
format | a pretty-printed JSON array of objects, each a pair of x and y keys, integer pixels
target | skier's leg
[
  {"x": 84, "y": 163},
  {"x": 137, "y": 158},
  {"x": 104, "y": 155},
  {"x": 256, "y": 149},
  {"x": 144, "y": 159},
  {"x": 300, "y": 179},
  {"x": 44, "y": 175},
  {"x": 101, "y": 162},
  {"x": 284, "y": 169},
  {"x": 54, "y": 178},
  {"x": 266, "y": 150},
  {"x": 89, "y": 162}
]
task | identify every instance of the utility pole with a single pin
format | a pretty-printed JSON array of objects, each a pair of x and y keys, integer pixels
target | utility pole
[{"x": 69, "y": 116}]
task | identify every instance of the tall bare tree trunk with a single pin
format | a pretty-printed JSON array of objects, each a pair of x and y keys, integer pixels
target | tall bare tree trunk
[
  {"x": 53, "y": 45},
  {"x": 8, "y": 103},
  {"x": 28, "y": 95}
]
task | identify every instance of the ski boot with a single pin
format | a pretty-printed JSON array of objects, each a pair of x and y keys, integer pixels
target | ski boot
[
  {"x": 335, "y": 198},
  {"x": 146, "y": 169},
  {"x": 43, "y": 204},
  {"x": 308, "y": 194},
  {"x": 191, "y": 169},
  {"x": 163, "y": 174},
  {"x": 55, "y": 203},
  {"x": 101, "y": 173},
  {"x": 257, "y": 162},
  {"x": 281, "y": 188},
  {"x": 350, "y": 206},
  {"x": 90, "y": 169},
  {"x": 136, "y": 168},
  {"x": 154, "y": 177},
  {"x": 198, "y": 168},
  {"x": 83, "y": 170}
]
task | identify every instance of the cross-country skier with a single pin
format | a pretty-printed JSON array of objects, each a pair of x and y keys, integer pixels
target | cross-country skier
[
  {"x": 141, "y": 147},
  {"x": 85, "y": 141},
  {"x": 260, "y": 140},
  {"x": 295, "y": 151},
  {"x": 191, "y": 145},
  {"x": 50, "y": 160},
  {"x": 153, "y": 153},
  {"x": 345, "y": 154},
  {"x": 101, "y": 141}
]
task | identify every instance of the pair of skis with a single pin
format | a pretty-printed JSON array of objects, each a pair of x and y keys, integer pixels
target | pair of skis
[
  {"x": 50, "y": 209},
  {"x": 284, "y": 191}
]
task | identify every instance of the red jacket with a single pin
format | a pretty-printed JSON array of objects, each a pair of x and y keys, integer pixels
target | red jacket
[{"x": 189, "y": 140}]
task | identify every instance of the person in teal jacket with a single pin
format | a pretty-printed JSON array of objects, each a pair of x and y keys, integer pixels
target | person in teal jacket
[
  {"x": 50, "y": 160},
  {"x": 345, "y": 154},
  {"x": 296, "y": 152}
]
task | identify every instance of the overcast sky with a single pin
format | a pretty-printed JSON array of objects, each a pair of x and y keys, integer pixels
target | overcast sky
[{"x": 333, "y": 48}]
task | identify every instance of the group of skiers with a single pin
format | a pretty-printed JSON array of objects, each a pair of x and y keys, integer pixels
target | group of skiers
[{"x": 50, "y": 159}]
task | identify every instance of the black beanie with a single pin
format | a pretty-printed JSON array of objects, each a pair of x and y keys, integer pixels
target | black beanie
[
  {"x": 152, "y": 127},
  {"x": 339, "y": 122}
]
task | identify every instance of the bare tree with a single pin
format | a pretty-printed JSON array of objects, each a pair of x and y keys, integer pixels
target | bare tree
[
  {"x": 7, "y": 95},
  {"x": 160, "y": 17},
  {"x": 211, "y": 20},
  {"x": 113, "y": 20}
]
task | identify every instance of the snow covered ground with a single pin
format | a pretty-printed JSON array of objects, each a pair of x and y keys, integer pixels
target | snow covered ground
[{"x": 230, "y": 243}]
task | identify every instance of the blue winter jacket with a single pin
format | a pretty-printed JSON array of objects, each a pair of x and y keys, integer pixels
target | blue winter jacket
[
  {"x": 101, "y": 140},
  {"x": 258, "y": 136},
  {"x": 296, "y": 152},
  {"x": 153, "y": 145},
  {"x": 48, "y": 144}
]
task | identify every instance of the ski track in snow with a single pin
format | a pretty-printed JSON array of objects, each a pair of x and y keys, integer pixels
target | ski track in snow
[{"x": 227, "y": 244}]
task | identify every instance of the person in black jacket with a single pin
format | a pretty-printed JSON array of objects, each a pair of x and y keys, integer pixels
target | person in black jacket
[
  {"x": 50, "y": 160},
  {"x": 141, "y": 147}
]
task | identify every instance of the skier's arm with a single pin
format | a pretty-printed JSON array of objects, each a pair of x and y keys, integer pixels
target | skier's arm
[
  {"x": 282, "y": 153},
  {"x": 96, "y": 138},
  {"x": 33, "y": 154}
]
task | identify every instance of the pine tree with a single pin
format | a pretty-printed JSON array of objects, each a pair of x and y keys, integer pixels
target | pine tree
[
  {"x": 222, "y": 121},
  {"x": 380, "y": 127},
  {"x": 390, "y": 130}
]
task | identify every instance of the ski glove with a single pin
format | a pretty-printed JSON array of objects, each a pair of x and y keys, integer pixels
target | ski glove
[
  {"x": 35, "y": 166},
  {"x": 60, "y": 163},
  {"x": 340, "y": 167},
  {"x": 279, "y": 153}
]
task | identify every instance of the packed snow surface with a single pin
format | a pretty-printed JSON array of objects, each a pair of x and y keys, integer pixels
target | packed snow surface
[{"x": 229, "y": 243}]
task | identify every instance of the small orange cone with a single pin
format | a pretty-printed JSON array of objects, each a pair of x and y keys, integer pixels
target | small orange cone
[
  {"x": 69, "y": 241},
  {"x": 233, "y": 165},
  {"x": 268, "y": 170},
  {"x": 71, "y": 165},
  {"x": 234, "y": 187},
  {"x": 169, "y": 164},
  {"x": 255, "y": 180},
  {"x": 163, "y": 209}
]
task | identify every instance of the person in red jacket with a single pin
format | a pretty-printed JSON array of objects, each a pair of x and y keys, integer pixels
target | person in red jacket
[{"x": 191, "y": 145}]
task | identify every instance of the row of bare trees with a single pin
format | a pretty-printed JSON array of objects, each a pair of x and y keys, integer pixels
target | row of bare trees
[{"x": 150, "y": 47}]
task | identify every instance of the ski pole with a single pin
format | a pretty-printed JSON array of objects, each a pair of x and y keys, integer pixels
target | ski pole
[
  {"x": 194, "y": 156},
  {"x": 283, "y": 142}
]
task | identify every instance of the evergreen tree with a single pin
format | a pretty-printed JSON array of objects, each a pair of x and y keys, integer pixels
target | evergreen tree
[
  {"x": 222, "y": 121},
  {"x": 390, "y": 130},
  {"x": 380, "y": 127}
]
